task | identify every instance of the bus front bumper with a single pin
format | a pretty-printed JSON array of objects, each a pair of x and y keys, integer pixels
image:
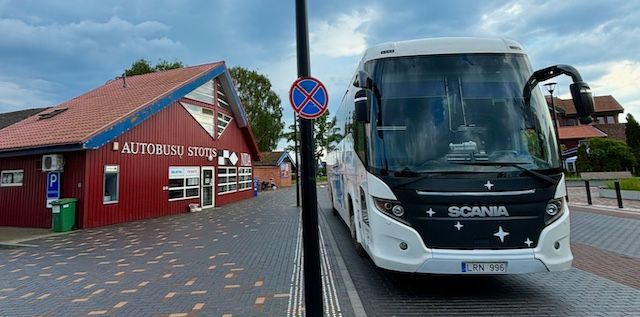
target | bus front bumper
[{"x": 553, "y": 252}]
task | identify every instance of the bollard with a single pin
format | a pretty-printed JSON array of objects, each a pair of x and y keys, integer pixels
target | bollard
[
  {"x": 588, "y": 188},
  {"x": 618, "y": 194}
]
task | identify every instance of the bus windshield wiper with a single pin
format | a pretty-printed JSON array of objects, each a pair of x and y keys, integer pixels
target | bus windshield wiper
[
  {"x": 418, "y": 176},
  {"x": 513, "y": 164}
]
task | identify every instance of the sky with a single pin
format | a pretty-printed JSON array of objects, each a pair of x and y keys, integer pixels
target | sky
[{"x": 52, "y": 51}]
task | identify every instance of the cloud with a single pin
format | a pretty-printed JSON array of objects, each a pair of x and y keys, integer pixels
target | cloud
[
  {"x": 76, "y": 55},
  {"x": 621, "y": 80},
  {"x": 14, "y": 96},
  {"x": 87, "y": 42},
  {"x": 344, "y": 35}
]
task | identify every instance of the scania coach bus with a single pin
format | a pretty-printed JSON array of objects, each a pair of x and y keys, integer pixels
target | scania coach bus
[{"x": 449, "y": 162}]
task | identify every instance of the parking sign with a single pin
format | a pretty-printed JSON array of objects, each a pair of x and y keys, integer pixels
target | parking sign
[{"x": 53, "y": 187}]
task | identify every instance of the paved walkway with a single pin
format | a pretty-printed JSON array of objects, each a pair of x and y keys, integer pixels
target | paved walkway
[
  {"x": 12, "y": 235},
  {"x": 240, "y": 260}
]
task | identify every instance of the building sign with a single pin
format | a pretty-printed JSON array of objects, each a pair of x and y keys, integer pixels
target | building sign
[
  {"x": 285, "y": 170},
  {"x": 53, "y": 187},
  {"x": 245, "y": 159},
  {"x": 228, "y": 157},
  {"x": 141, "y": 148},
  {"x": 183, "y": 172}
]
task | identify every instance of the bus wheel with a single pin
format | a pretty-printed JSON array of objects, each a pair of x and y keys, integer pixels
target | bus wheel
[{"x": 352, "y": 227}]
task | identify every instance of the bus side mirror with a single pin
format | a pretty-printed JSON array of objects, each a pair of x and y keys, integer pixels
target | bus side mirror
[
  {"x": 363, "y": 81},
  {"x": 361, "y": 103},
  {"x": 582, "y": 100}
]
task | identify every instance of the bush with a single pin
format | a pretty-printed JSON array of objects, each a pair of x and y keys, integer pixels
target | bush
[
  {"x": 605, "y": 155},
  {"x": 627, "y": 184}
]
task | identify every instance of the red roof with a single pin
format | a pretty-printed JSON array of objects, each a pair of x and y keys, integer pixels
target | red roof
[
  {"x": 579, "y": 132},
  {"x": 96, "y": 110},
  {"x": 600, "y": 104}
]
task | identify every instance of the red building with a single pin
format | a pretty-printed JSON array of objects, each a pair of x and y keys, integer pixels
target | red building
[
  {"x": 137, "y": 147},
  {"x": 275, "y": 166}
]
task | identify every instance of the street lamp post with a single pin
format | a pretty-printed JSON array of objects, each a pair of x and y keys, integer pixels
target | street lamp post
[{"x": 550, "y": 88}]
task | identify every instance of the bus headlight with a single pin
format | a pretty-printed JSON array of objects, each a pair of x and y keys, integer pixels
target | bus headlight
[
  {"x": 392, "y": 208},
  {"x": 553, "y": 211}
]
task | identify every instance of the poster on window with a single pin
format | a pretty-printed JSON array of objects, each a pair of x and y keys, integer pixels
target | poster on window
[
  {"x": 285, "y": 170},
  {"x": 245, "y": 159}
]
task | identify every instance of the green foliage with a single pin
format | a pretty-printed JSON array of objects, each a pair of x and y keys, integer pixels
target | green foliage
[
  {"x": 262, "y": 104},
  {"x": 632, "y": 131},
  {"x": 326, "y": 135},
  {"x": 627, "y": 184},
  {"x": 143, "y": 66},
  {"x": 605, "y": 155}
]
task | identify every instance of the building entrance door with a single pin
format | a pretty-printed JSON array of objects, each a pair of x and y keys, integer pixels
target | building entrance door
[{"x": 207, "y": 198}]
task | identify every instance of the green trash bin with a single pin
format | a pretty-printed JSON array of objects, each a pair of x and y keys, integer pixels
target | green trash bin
[{"x": 64, "y": 214}]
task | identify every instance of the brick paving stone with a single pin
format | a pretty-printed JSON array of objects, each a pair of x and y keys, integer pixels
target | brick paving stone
[
  {"x": 609, "y": 232},
  {"x": 607, "y": 264},
  {"x": 131, "y": 269}
]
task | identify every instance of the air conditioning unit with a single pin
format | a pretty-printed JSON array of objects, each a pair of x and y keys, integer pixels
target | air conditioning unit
[{"x": 52, "y": 163}]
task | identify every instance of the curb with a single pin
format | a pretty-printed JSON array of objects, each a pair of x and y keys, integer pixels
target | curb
[{"x": 354, "y": 298}]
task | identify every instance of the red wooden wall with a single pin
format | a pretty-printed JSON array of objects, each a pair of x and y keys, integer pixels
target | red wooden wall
[
  {"x": 142, "y": 177},
  {"x": 25, "y": 206}
]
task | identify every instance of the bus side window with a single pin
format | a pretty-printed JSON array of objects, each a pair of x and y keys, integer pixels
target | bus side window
[{"x": 360, "y": 141}]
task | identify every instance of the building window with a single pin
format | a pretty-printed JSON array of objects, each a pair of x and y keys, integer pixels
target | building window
[
  {"x": 223, "y": 122},
  {"x": 611, "y": 119},
  {"x": 111, "y": 186},
  {"x": 244, "y": 178},
  {"x": 203, "y": 93},
  {"x": 184, "y": 182},
  {"x": 227, "y": 180},
  {"x": 204, "y": 116},
  {"x": 11, "y": 178},
  {"x": 222, "y": 99}
]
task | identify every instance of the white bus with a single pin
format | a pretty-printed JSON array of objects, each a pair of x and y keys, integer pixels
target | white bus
[{"x": 449, "y": 162}]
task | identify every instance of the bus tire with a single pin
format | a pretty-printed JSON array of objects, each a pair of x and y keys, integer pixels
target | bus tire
[{"x": 352, "y": 227}]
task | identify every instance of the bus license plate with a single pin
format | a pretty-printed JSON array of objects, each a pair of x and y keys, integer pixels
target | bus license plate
[{"x": 484, "y": 267}]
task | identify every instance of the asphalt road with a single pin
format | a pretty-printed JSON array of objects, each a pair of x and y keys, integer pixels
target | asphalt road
[{"x": 600, "y": 284}]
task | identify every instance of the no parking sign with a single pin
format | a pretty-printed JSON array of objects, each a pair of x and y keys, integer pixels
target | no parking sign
[{"x": 309, "y": 97}]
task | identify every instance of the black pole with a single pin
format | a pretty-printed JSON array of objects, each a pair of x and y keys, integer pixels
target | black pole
[
  {"x": 618, "y": 194},
  {"x": 295, "y": 144},
  {"x": 588, "y": 188},
  {"x": 310, "y": 236},
  {"x": 555, "y": 125}
]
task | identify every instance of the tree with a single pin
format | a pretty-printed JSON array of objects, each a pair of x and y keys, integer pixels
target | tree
[
  {"x": 326, "y": 135},
  {"x": 262, "y": 104},
  {"x": 632, "y": 131},
  {"x": 605, "y": 155},
  {"x": 143, "y": 66}
]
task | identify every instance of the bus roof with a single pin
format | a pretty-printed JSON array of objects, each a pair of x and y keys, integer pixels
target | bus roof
[{"x": 442, "y": 45}]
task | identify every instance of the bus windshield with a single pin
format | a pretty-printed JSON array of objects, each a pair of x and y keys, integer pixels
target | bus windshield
[{"x": 458, "y": 113}]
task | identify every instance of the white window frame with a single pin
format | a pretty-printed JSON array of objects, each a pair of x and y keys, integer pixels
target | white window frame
[
  {"x": 204, "y": 93},
  {"x": 184, "y": 186},
  {"x": 225, "y": 173},
  {"x": 13, "y": 183},
  {"x": 225, "y": 119},
  {"x": 245, "y": 184},
  {"x": 104, "y": 183},
  {"x": 205, "y": 120}
]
